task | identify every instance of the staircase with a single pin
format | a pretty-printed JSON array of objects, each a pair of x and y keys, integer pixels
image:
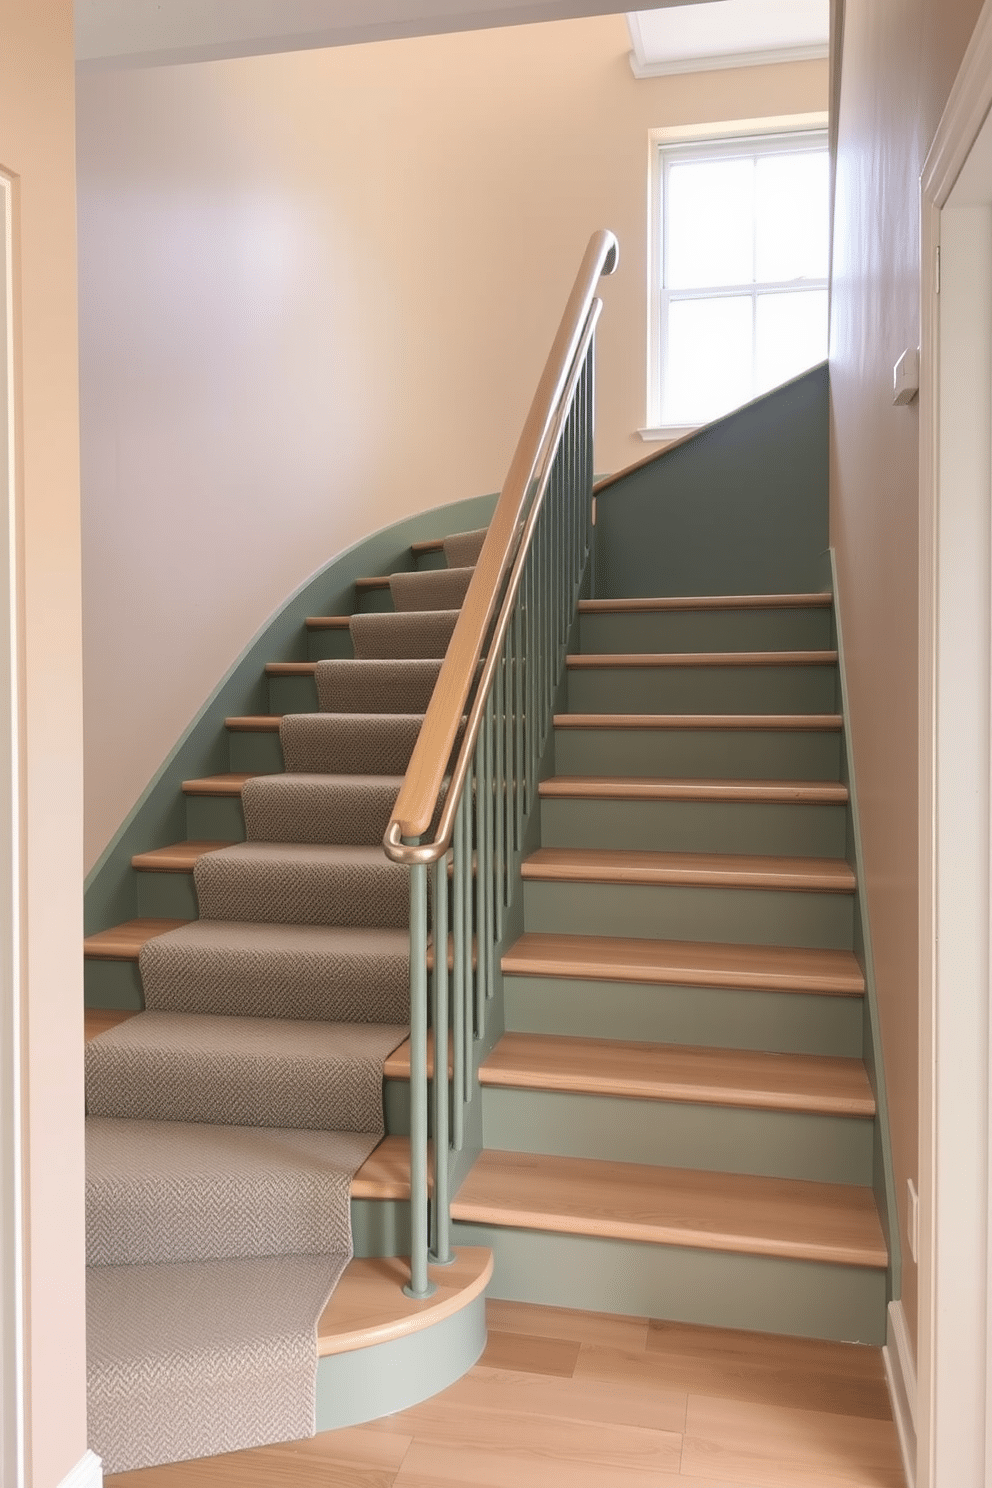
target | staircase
[
  {"x": 231, "y": 1125},
  {"x": 678, "y": 1121}
]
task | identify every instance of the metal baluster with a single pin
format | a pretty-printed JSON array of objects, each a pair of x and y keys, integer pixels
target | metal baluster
[
  {"x": 441, "y": 1253},
  {"x": 499, "y": 783},
  {"x": 420, "y": 1284},
  {"x": 458, "y": 979},
  {"x": 519, "y": 630},
  {"x": 509, "y": 737},
  {"x": 488, "y": 870},
  {"x": 480, "y": 894},
  {"x": 469, "y": 1072}
]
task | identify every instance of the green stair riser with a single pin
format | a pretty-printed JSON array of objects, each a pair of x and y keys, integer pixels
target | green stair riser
[
  {"x": 365, "y": 1384},
  {"x": 695, "y": 826},
  {"x": 329, "y": 645},
  {"x": 707, "y": 630},
  {"x": 292, "y": 695},
  {"x": 720, "y": 1139},
  {"x": 719, "y": 1017},
  {"x": 380, "y": 1227},
  {"x": 256, "y": 752},
  {"x": 706, "y": 689},
  {"x": 373, "y": 601},
  {"x": 745, "y": 916},
  {"x": 167, "y": 896},
  {"x": 214, "y": 819},
  {"x": 714, "y": 1288},
  {"x": 111, "y": 984},
  {"x": 696, "y": 754}
]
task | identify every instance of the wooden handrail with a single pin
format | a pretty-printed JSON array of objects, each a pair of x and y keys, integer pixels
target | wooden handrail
[{"x": 416, "y": 803}]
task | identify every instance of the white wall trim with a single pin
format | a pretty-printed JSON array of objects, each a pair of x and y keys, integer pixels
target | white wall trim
[
  {"x": 13, "y": 1411},
  {"x": 87, "y": 1473},
  {"x": 953, "y": 1413},
  {"x": 900, "y": 1373},
  {"x": 718, "y": 61}
]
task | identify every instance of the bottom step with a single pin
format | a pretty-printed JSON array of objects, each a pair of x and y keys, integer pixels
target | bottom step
[{"x": 725, "y": 1250}]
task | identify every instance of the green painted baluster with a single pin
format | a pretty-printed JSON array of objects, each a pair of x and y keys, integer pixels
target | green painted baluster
[
  {"x": 480, "y": 895},
  {"x": 441, "y": 1253},
  {"x": 509, "y": 764},
  {"x": 458, "y": 979},
  {"x": 487, "y": 868},
  {"x": 519, "y": 626},
  {"x": 499, "y": 786},
  {"x": 420, "y": 1284},
  {"x": 468, "y": 1091}
]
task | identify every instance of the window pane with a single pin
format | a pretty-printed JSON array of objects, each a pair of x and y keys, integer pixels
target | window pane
[
  {"x": 709, "y": 233},
  {"x": 707, "y": 358},
  {"x": 791, "y": 195},
  {"x": 791, "y": 335}
]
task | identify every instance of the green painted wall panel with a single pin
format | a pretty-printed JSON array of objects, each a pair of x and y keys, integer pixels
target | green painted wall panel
[{"x": 742, "y": 508}]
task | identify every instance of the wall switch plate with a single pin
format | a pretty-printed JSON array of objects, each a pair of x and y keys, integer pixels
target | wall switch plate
[
  {"x": 913, "y": 1218},
  {"x": 906, "y": 377}
]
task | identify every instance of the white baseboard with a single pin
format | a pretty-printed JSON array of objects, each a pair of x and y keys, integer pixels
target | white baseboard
[
  {"x": 900, "y": 1372},
  {"x": 87, "y": 1473}
]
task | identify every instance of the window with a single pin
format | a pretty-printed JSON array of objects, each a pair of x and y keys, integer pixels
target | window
[{"x": 739, "y": 298}]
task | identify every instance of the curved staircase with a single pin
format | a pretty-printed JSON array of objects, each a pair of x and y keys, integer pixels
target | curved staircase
[{"x": 231, "y": 1124}]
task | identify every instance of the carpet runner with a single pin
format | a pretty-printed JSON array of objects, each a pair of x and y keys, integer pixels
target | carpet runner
[{"x": 226, "y": 1122}]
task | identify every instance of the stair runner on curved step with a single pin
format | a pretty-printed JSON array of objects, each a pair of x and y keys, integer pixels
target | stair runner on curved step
[{"x": 226, "y": 1122}]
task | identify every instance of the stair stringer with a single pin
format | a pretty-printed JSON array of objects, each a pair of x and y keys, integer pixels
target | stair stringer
[
  {"x": 883, "y": 1172},
  {"x": 158, "y": 817}
]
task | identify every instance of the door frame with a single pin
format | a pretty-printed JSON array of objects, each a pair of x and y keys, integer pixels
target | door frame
[
  {"x": 954, "y": 1352},
  {"x": 13, "y": 991}
]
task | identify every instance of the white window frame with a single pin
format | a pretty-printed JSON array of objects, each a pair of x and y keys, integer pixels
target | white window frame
[{"x": 771, "y": 135}]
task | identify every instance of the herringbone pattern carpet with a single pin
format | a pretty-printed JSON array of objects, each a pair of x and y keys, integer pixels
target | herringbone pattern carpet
[{"x": 226, "y": 1123}]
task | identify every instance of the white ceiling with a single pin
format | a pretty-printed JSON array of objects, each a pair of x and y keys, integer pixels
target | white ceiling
[
  {"x": 727, "y": 33},
  {"x": 149, "y": 32}
]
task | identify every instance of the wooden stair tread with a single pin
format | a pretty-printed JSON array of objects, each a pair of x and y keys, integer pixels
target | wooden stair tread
[
  {"x": 685, "y": 963},
  {"x": 397, "y": 1065},
  {"x": 385, "y": 1173},
  {"x": 99, "y": 1020},
  {"x": 645, "y": 788},
  {"x": 591, "y": 660},
  {"x": 374, "y": 581},
  {"x": 778, "y": 722},
  {"x": 218, "y": 785},
  {"x": 258, "y": 723},
  {"x": 368, "y": 1305},
  {"x": 727, "y": 870},
  {"x": 826, "y": 1222},
  {"x": 427, "y": 545},
  {"x": 822, "y": 600},
  {"x": 181, "y": 857},
  {"x": 328, "y": 622},
  {"x": 676, "y": 1072},
  {"x": 290, "y": 668},
  {"x": 124, "y": 942}
]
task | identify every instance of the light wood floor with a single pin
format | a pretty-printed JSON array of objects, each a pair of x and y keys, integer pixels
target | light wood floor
[{"x": 594, "y": 1401}]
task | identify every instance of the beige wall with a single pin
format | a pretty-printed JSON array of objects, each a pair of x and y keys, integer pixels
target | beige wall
[
  {"x": 36, "y": 147},
  {"x": 899, "y": 62},
  {"x": 316, "y": 292}
]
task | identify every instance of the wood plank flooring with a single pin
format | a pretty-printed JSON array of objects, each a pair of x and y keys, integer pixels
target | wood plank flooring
[{"x": 592, "y": 1400}]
